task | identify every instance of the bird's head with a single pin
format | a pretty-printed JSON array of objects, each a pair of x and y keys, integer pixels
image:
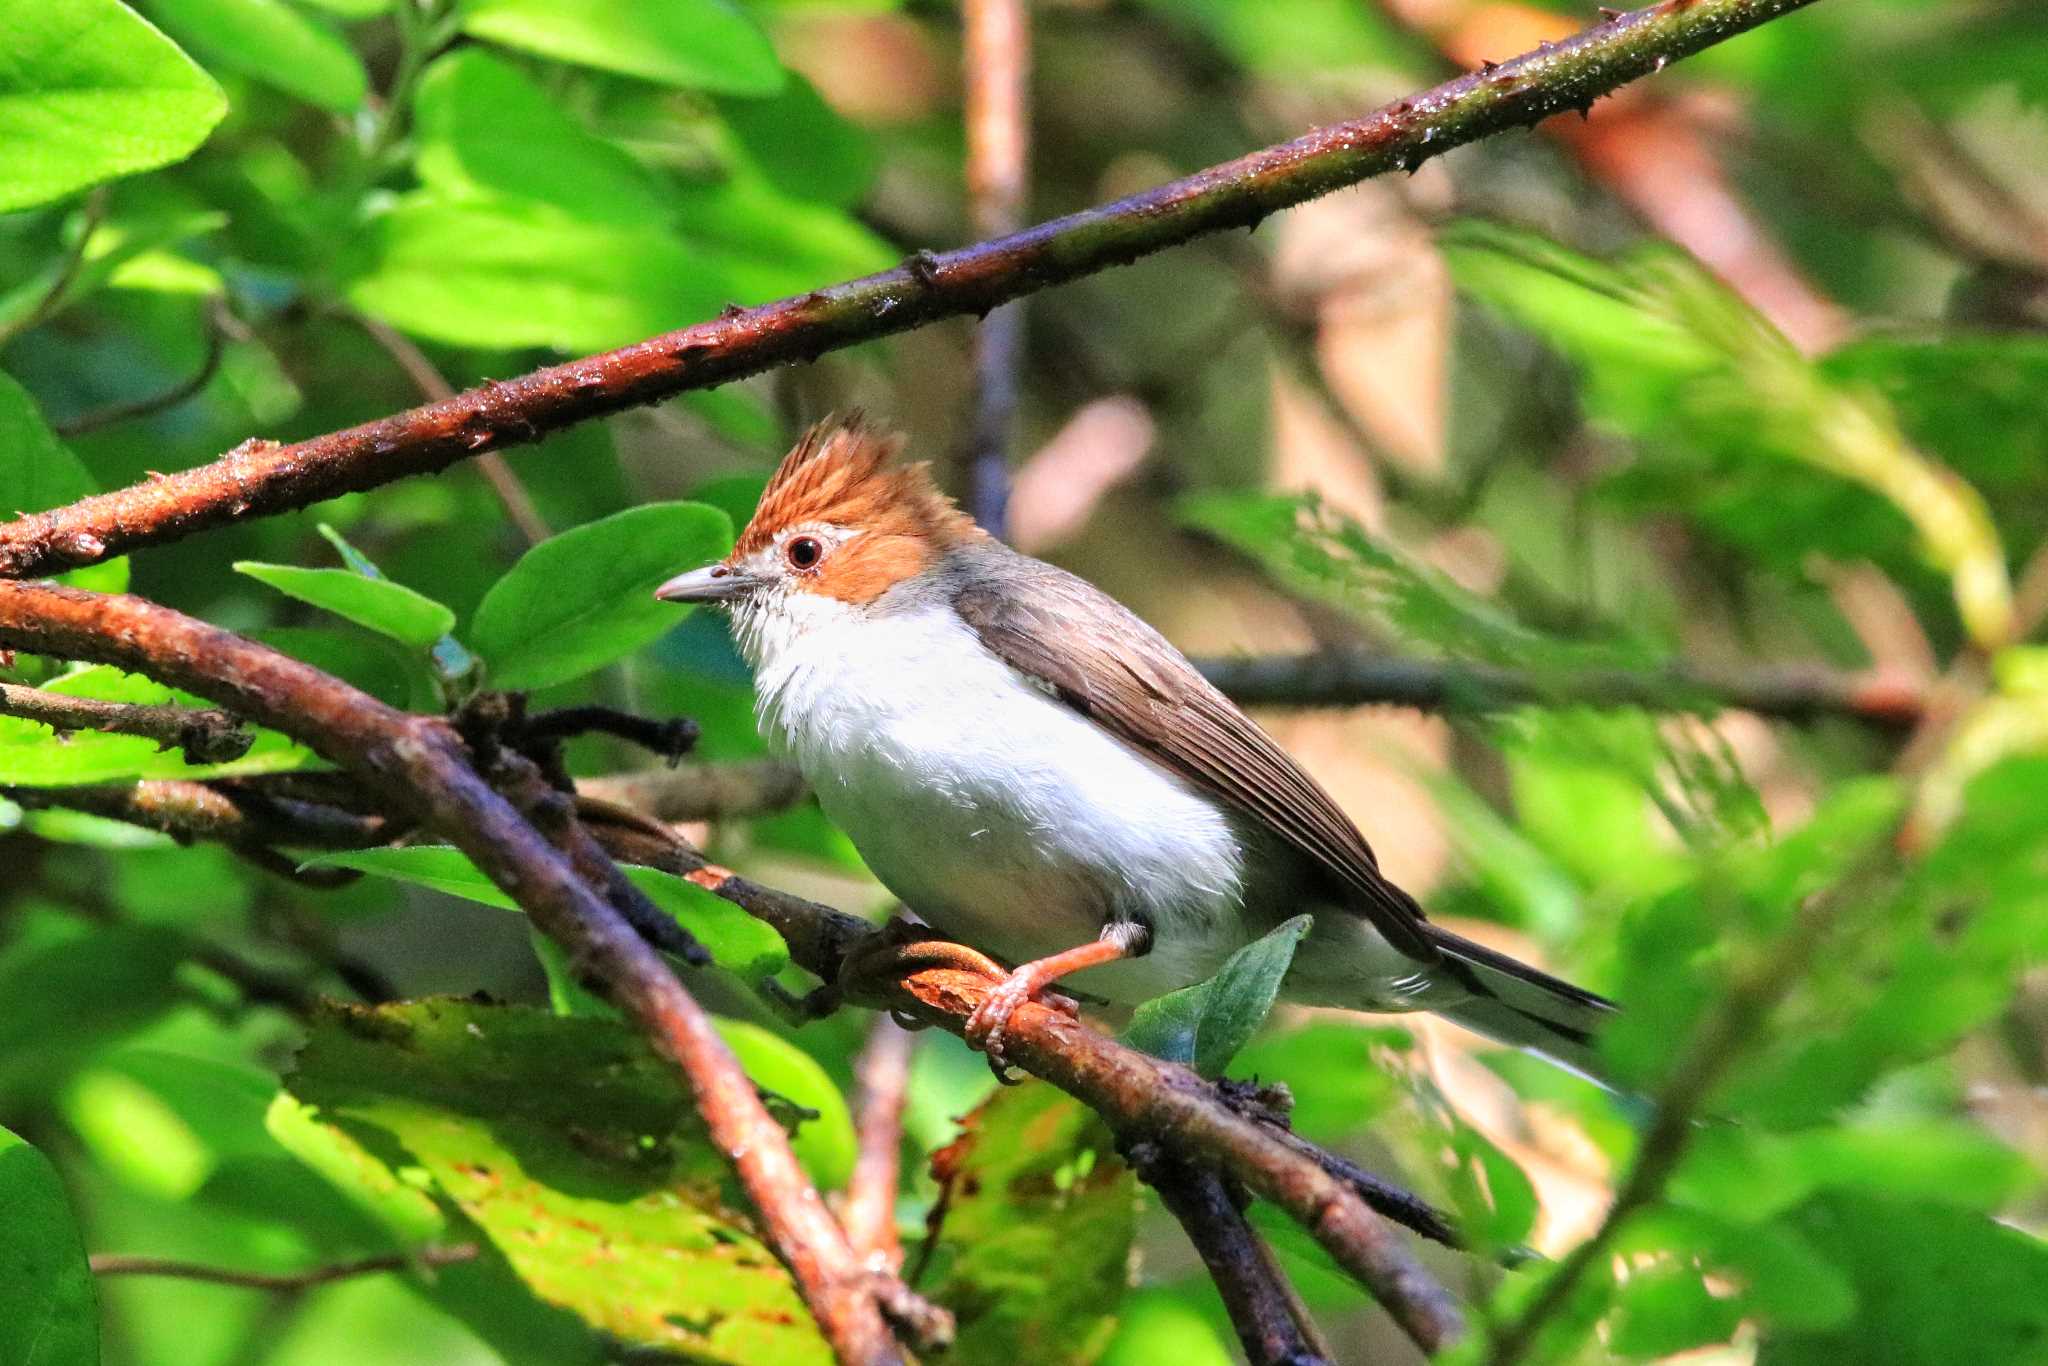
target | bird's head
[{"x": 839, "y": 524}]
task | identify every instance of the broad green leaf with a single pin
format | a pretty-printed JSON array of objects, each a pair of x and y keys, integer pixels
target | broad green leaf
[
  {"x": 71, "y": 996},
  {"x": 33, "y": 756},
  {"x": 697, "y": 44},
  {"x": 455, "y": 668},
  {"x": 49, "y": 1309},
  {"x": 352, "y": 9},
  {"x": 1934, "y": 1286},
  {"x": 1748, "y": 1173},
  {"x": 90, "y": 92},
  {"x": 1339, "y": 1087},
  {"x": 37, "y": 471},
  {"x": 802, "y": 146},
  {"x": 1033, "y": 1230},
  {"x": 380, "y": 605},
  {"x": 485, "y": 127},
  {"x": 769, "y": 244},
  {"x": 269, "y": 41},
  {"x": 501, "y": 273},
  {"x": 599, "y": 1187},
  {"x": 578, "y": 601},
  {"x": 1206, "y": 1024},
  {"x": 737, "y": 942}
]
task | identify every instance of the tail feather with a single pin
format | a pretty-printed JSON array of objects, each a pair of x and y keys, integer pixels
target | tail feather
[{"x": 1512, "y": 1003}]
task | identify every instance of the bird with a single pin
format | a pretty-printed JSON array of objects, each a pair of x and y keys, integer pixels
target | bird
[{"x": 1038, "y": 774}]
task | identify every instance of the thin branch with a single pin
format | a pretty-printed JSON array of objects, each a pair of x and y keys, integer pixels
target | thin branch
[
  {"x": 702, "y": 792},
  {"x": 219, "y": 323},
  {"x": 264, "y": 477},
  {"x": 290, "y": 1282},
  {"x": 882, "y": 1074},
  {"x": 51, "y": 300},
  {"x": 418, "y": 766},
  {"x": 435, "y": 388},
  {"x": 206, "y": 735},
  {"x": 1260, "y": 1305},
  {"x": 241, "y": 816},
  {"x": 996, "y": 55},
  {"x": 1795, "y": 693},
  {"x": 1145, "y": 1099}
]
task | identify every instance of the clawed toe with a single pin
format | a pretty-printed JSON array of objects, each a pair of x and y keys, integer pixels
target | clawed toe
[{"x": 991, "y": 1019}]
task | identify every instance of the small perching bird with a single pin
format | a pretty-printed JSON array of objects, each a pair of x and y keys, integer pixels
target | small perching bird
[{"x": 1038, "y": 774}]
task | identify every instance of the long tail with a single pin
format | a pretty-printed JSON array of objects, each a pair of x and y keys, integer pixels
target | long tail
[{"x": 1513, "y": 1003}]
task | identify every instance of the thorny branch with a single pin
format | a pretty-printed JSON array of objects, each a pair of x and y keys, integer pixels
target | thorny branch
[
  {"x": 417, "y": 765},
  {"x": 206, "y": 735},
  {"x": 263, "y": 477}
]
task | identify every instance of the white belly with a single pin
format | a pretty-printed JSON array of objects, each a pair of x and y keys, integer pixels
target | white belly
[{"x": 997, "y": 813}]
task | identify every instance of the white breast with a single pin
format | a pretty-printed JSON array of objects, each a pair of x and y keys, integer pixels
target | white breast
[{"x": 996, "y": 812}]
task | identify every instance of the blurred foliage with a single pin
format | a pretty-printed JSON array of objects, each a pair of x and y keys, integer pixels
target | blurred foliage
[{"x": 231, "y": 218}]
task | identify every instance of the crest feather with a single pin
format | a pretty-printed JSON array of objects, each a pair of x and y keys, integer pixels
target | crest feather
[{"x": 842, "y": 473}]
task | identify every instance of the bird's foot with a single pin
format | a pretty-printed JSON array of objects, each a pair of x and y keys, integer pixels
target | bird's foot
[{"x": 990, "y": 1021}]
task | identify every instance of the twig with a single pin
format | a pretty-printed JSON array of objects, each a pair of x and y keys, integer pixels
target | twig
[
  {"x": 52, "y": 298},
  {"x": 702, "y": 792},
  {"x": 261, "y": 478},
  {"x": 232, "y": 814},
  {"x": 1260, "y": 1305},
  {"x": 869, "y": 1211},
  {"x": 1722, "y": 1037},
  {"x": 218, "y": 324},
  {"x": 996, "y": 55},
  {"x": 435, "y": 388},
  {"x": 1794, "y": 693},
  {"x": 1145, "y": 1099},
  {"x": 418, "y": 766},
  {"x": 207, "y": 736},
  {"x": 290, "y": 1282}
]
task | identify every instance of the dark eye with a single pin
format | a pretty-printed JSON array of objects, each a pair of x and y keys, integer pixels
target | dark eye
[{"x": 804, "y": 552}]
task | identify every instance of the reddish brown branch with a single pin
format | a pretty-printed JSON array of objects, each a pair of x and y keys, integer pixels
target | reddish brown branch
[
  {"x": 996, "y": 54},
  {"x": 1147, "y": 1100},
  {"x": 869, "y": 1212},
  {"x": 263, "y": 477},
  {"x": 205, "y": 735},
  {"x": 416, "y": 765},
  {"x": 1261, "y": 1308}
]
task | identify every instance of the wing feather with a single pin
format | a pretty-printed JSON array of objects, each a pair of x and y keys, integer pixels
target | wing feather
[{"x": 1100, "y": 659}]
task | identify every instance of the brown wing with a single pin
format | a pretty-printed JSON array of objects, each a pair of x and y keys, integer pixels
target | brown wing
[{"x": 1100, "y": 659}]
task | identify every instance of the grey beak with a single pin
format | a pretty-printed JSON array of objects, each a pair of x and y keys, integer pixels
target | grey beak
[{"x": 712, "y": 583}]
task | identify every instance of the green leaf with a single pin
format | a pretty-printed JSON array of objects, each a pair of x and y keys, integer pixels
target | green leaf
[
  {"x": 455, "y": 667},
  {"x": 1206, "y": 1024},
  {"x": 485, "y": 127},
  {"x": 90, "y": 92},
  {"x": 37, "y": 471},
  {"x": 578, "y": 601},
  {"x": 695, "y": 44},
  {"x": 68, "y": 997},
  {"x": 49, "y": 1309},
  {"x": 1034, "y": 1226},
  {"x": 802, "y": 146},
  {"x": 33, "y": 756},
  {"x": 380, "y": 605},
  {"x": 269, "y": 41},
  {"x": 737, "y": 942},
  {"x": 1934, "y": 1286},
  {"x": 502, "y": 273},
  {"x": 824, "y": 1140},
  {"x": 599, "y": 1188},
  {"x": 352, "y": 9}
]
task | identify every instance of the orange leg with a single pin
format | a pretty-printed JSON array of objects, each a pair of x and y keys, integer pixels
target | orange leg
[{"x": 986, "y": 1025}]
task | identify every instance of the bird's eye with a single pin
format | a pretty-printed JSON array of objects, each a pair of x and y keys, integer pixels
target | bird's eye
[{"x": 804, "y": 552}]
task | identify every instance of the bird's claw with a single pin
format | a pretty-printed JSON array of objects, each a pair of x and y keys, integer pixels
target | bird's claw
[{"x": 986, "y": 1027}]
